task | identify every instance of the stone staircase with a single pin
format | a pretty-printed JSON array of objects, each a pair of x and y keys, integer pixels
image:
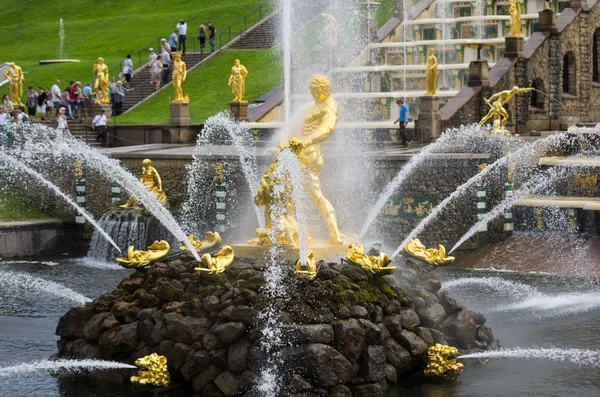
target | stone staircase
[
  {"x": 83, "y": 132},
  {"x": 263, "y": 35},
  {"x": 140, "y": 82}
]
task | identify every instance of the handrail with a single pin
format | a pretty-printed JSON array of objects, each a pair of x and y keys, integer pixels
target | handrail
[{"x": 224, "y": 36}]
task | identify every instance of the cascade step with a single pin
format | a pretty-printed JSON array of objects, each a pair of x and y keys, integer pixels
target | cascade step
[
  {"x": 585, "y": 203},
  {"x": 562, "y": 161}
]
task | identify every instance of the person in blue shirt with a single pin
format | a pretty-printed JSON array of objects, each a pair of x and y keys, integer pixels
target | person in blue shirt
[{"x": 403, "y": 120}]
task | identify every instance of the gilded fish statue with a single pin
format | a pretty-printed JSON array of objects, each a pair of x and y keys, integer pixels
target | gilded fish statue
[
  {"x": 137, "y": 258},
  {"x": 211, "y": 240},
  {"x": 218, "y": 263},
  {"x": 432, "y": 256},
  {"x": 355, "y": 253}
]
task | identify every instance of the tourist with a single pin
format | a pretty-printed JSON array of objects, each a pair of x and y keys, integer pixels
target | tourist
[
  {"x": 212, "y": 32},
  {"x": 80, "y": 98},
  {"x": 55, "y": 91},
  {"x": 41, "y": 103},
  {"x": 99, "y": 125},
  {"x": 155, "y": 72},
  {"x": 120, "y": 91},
  {"x": 87, "y": 91},
  {"x": 8, "y": 105},
  {"x": 61, "y": 119},
  {"x": 182, "y": 28},
  {"x": 72, "y": 100},
  {"x": 127, "y": 68},
  {"x": 166, "y": 60},
  {"x": 49, "y": 104},
  {"x": 165, "y": 46},
  {"x": 112, "y": 87},
  {"x": 65, "y": 102},
  {"x": 202, "y": 37},
  {"x": 31, "y": 102},
  {"x": 20, "y": 117},
  {"x": 173, "y": 40},
  {"x": 403, "y": 120},
  {"x": 4, "y": 119},
  {"x": 151, "y": 59}
]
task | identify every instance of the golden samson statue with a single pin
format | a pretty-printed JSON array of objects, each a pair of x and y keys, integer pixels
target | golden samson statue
[
  {"x": 179, "y": 76},
  {"x": 497, "y": 110},
  {"x": 152, "y": 182},
  {"x": 14, "y": 75},
  {"x": 431, "y": 74},
  {"x": 237, "y": 80},
  {"x": 319, "y": 124},
  {"x": 101, "y": 84}
]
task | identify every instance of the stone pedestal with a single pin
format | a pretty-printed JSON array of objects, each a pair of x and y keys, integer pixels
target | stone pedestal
[
  {"x": 239, "y": 110},
  {"x": 478, "y": 73},
  {"x": 95, "y": 110},
  {"x": 429, "y": 124},
  {"x": 514, "y": 47},
  {"x": 180, "y": 114},
  {"x": 547, "y": 22},
  {"x": 578, "y": 4}
]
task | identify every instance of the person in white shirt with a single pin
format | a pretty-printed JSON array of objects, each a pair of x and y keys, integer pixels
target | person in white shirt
[
  {"x": 165, "y": 46},
  {"x": 99, "y": 125},
  {"x": 56, "y": 92},
  {"x": 62, "y": 126},
  {"x": 151, "y": 59},
  {"x": 4, "y": 116},
  {"x": 128, "y": 68},
  {"x": 166, "y": 60},
  {"x": 182, "y": 27}
]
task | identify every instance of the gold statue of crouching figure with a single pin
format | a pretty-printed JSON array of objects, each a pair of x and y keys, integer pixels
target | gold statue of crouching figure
[
  {"x": 152, "y": 371},
  {"x": 307, "y": 269},
  {"x": 210, "y": 241},
  {"x": 136, "y": 258},
  {"x": 218, "y": 263},
  {"x": 441, "y": 362},
  {"x": 432, "y": 256},
  {"x": 374, "y": 264},
  {"x": 152, "y": 182}
]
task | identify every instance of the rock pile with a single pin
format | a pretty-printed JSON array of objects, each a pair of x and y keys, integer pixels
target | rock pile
[{"x": 346, "y": 333}]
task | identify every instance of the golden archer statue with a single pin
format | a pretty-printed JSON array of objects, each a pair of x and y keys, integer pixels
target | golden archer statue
[
  {"x": 515, "y": 18},
  {"x": 152, "y": 182},
  {"x": 497, "y": 110},
  {"x": 101, "y": 85},
  {"x": 237, "y": 80},
  {"x": 14, "y": 75},
  {"x": 179, "y": 76},
  {"x": 432, "y": 73}
]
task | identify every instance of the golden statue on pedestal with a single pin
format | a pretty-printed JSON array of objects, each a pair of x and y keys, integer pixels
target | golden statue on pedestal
[
  {"x": 101, "y": 85},
  {"x": 515, "y": 18},
  {"x": 431, "y": 74},
  {"x": 210, "y": 241},
  {"x": 497, "y": 110},
  {"x": 432, "y": 256},
  {"x": 14, "y": 75},
  {"x": 441, "y": 361},
  {"x": 137, "y": 258},
  {"x": 374, "y": 264},
  {"x": 152, "y": 182},
  {"x": 179, "y": 76},
  {"x": 307, "y": 269},
  {"x": 237, "y": 80},
  {"x": 153, "y": 371},
  {"x": 218, "y": 263},
  {"x": 319, "y": 124}
]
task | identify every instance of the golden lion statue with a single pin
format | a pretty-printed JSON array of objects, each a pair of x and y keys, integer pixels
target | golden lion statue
[
  {"x": 441, "y": 361},
  {"x": 152, "y": 371}
]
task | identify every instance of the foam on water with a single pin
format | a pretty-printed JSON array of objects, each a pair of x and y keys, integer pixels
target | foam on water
[
  {"x": 496, "y": 284},
  {"x": 21, "y": 282},
  {"x": 581, "y": 357},
  {"x": 47, "y": 263},
  {"x": 62, "y": 365}
]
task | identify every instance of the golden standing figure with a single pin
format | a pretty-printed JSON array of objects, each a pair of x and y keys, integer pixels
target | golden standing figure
[
  {"x": 101, "y": 85},
  {"x": 152, "y": 182},
  {"x": 432, "y": 73},
  {"x": 14, "y": 75},
  {"x": 497, "y": 110},
  {"x": 237, "y": 80},
  {"x": 515, "y": 18},
  {"x": 179, "y": 76}
]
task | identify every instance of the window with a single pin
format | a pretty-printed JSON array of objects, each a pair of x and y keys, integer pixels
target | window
[
  {"x": 595, "y": 49},
  {"x": 568, "y": 74},
  {"x": 537, "y": 98}
]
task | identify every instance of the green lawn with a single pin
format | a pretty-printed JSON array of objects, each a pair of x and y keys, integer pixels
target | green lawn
[
  {"x": 385, "y": 12},
  {"x": 208, "y": 90},
  {"x": 107, "y": 28},
  {"x": 15, "y": 207}
]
